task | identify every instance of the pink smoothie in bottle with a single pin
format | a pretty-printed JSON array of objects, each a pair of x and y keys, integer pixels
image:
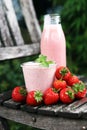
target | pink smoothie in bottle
[
  {"x": 38, "y": 77},
  {"x": 53, "y": 40}
]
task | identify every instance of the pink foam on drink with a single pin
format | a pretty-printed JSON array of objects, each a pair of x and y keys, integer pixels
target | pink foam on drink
[
  {"x": 53, "y": 44},
  {"x": 38, "y": 77}
]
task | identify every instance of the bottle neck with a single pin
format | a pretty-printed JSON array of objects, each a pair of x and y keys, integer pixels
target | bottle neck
[{"x": 51, "y": 19}]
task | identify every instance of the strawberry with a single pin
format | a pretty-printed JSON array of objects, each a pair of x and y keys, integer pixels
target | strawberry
[
  {"x": 51, "y": 96},
  {"x": 67, "y": 95},
  {"x": 73, "y": 80},
  {"x": 34, "y": 98},
  {"x": 59, "y": 84},
  {"x": 63, "y": 73},
  {"x": 80, "y": 90},
  {"x": 19, "y": 94}
]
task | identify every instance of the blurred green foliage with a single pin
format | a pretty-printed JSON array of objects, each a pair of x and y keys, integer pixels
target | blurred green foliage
[
  {"x": 58, "y": 2},
  {"x": 74, "y": 21},
  {"x": 18, "y": 126}
]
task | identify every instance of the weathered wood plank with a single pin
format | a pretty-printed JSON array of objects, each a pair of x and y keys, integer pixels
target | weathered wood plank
[
  {"x": 4, "y": 30},
  {"x": 13, "y": 23},
  {"x": 19, "y": 51},
  {"x": 71, "y": 112},
  {"x": 1, "y": 40},
  {"x": 3, "y": 124},
  {"x": 31, "y": 20},
  {"x": 61, "y": 110},
  {"x": 11, "y": 104},
  {"x": 84, "y": 115},
  {"x": 28, "y": 108},
  {"x": 5, "y": 96},
  {"x": 77, "y": 103},
  {"x": 83, "y": 78},
  {"x": 43, "y": 122},
  {"x": 0, "y": 44}
]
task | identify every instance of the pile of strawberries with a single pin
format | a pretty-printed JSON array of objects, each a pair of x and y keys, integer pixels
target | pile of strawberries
[{"x": 66, "y": 88}]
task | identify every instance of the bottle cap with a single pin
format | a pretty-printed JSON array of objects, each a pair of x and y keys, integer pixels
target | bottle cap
[{"x": 51, "y": 19}]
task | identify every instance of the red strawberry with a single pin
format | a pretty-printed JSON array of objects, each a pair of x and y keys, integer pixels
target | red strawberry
[
  {"x": 63, "y": 73},
  {"x": 51, "y": 96},
  {"x": 80, "y": 90},
  {"x": 34, "y": 98},
  {"x": 73, "y": 80},
  {"x": 67, "y": 95},
  {"x": 59, "y": 84},
  {"x": 19, "y": 94}
]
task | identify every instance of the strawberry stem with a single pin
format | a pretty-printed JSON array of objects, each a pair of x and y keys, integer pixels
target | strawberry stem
[{"x": 55, "y": 90}]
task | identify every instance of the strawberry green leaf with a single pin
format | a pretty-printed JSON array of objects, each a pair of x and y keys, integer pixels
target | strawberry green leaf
[
  {"x": 78, "y": 87},
  {"x": 23, "y": 91},
  {"x": 38, "y": 95},
  {"x": 64, "y": 71},
  {"x": 70, "y": 94}
]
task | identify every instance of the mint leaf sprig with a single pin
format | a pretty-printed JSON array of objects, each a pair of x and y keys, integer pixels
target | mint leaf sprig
[{"x": 43, "y": 60}]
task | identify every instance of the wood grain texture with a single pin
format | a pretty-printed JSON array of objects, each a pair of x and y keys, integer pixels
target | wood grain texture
[
  {"x": 31, "y": 20},
  {"x": 41, "y": 121},
  {"x": 3, "y": 124},
  {"x": 0, "y": 43},
  {"x": 11, "y": 104},
  {"x": 4, "y": 30},
  {"x": 13, "y": 23},
  {"x": 5, "y": 96},
  {"x": 19, "y": 51}
]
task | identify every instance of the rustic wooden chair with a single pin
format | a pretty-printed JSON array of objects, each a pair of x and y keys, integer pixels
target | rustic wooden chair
[{"x": 12, "y": 45}]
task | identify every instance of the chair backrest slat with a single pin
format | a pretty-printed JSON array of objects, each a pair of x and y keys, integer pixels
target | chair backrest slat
[
  {"x": 4, "y": 30},
  {"x": 0, "y": 43},
  {"x": 13, "y": 23},
  {"x": 19, "y": 51},
  {"x": 31, "y": 20},
  {"x": 12, "y": 44}
]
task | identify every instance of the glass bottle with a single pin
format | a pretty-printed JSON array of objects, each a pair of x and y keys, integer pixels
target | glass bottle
[{"x": 53, "y": 43}]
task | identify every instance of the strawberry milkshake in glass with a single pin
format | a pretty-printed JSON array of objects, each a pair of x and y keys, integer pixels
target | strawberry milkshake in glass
[
  {"x": 38, "y": 77},
  {"x": 53, "y": 40}
]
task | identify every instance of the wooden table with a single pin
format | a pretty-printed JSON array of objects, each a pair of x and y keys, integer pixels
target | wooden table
[
  {"x": 55, "y": 117},
  {"x": 42, "y": 121}
]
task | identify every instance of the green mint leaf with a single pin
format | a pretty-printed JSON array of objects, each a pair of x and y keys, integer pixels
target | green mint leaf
[
  {"x": 42, "y": 57},
  {"x": 38, "y": 60},
  {"x": 43, "y": 60},
  {"x": 50, "y": 62},
  {"x": 45, "y": 64}
]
